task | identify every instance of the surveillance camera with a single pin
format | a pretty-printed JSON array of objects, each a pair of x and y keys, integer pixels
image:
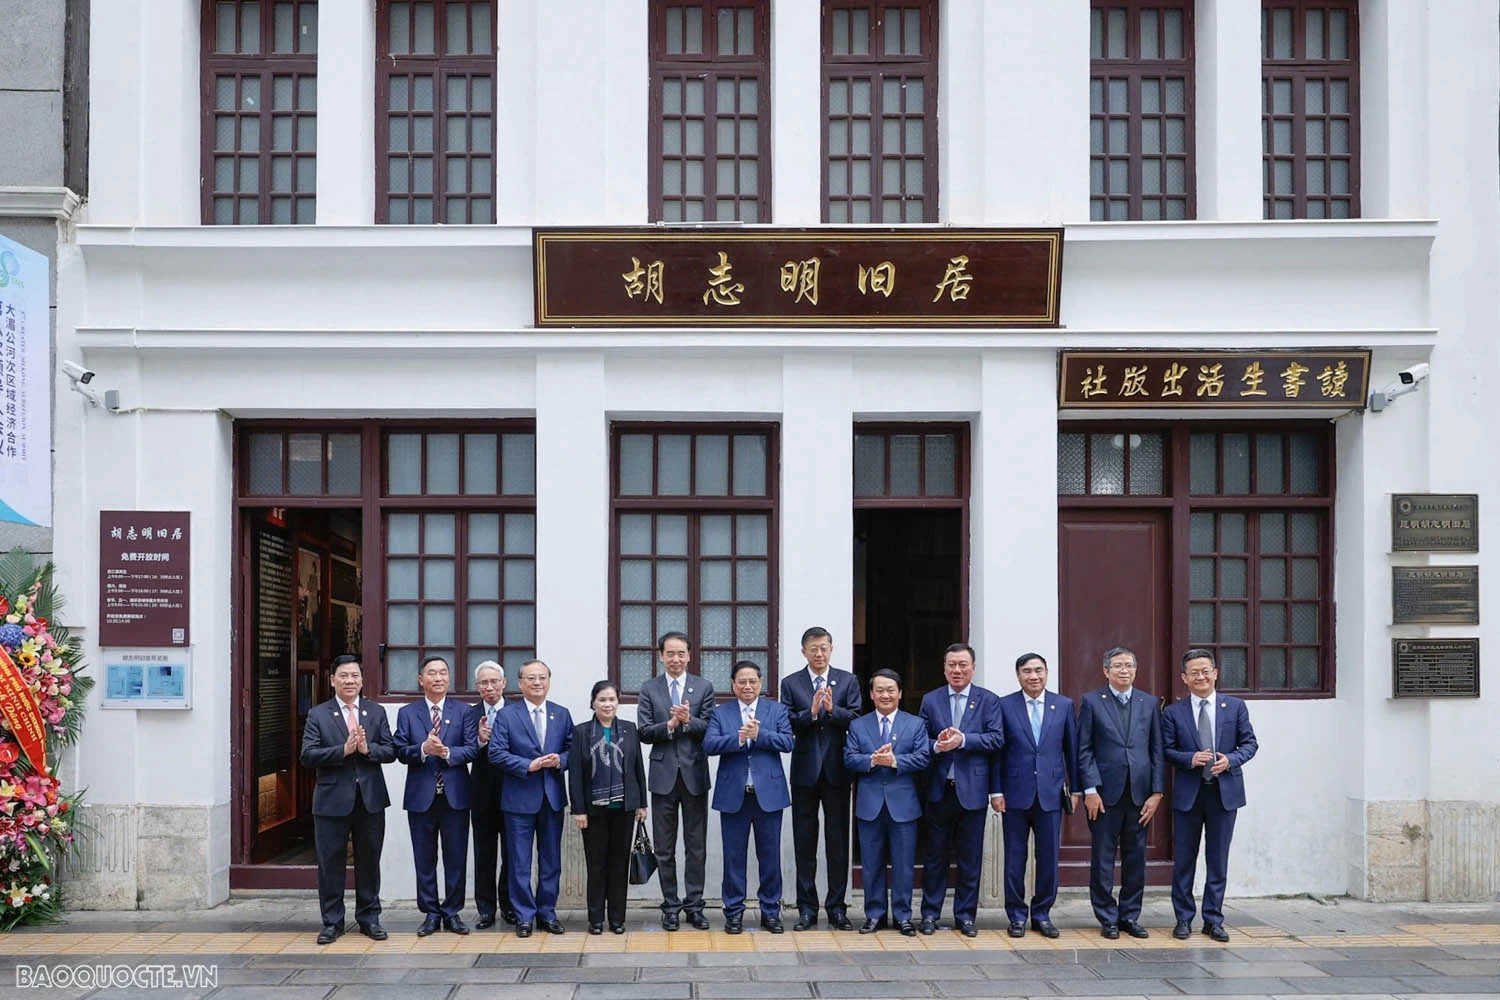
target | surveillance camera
[
  {"x": 77, "y": 374},
  {"x": 1416, "y": 373}
]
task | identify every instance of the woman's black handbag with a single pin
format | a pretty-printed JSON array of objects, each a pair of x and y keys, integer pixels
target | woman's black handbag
[{"x": 642, "y": 857}]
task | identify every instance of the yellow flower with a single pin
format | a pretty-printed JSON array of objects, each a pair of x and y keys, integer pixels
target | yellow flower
[{"x": 26, "y": 658}]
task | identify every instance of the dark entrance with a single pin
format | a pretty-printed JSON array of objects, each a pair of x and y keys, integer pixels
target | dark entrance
[
  {"x": 1115, "y": 590},
  {"x": 304, "y": 607}
]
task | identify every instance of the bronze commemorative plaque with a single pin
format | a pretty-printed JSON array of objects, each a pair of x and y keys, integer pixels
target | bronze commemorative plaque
[
  {"x": 1434, "y": 522},
  {"x": 1434, "y": 595},
  {"x": 1435, "y": 668}
]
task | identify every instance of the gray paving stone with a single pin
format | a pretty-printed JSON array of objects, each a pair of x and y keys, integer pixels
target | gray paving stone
[
  {"x": 536, "y": 961},
  {"x": 1229, "y": 987},
  {"x": 624, "y": 991},
  {"x": 684, "y": 974},
  {"x": 392, "y": 991},
  {"x": 1365, "y": 968},
  {"x": 1217, "y": 955},
  {"x": 323, "y": 960},
  {"x": 888, "y": 957},
  {"x": 872, "y": 990},
  {"x": 254, "y": 977},
  {"x": 522, "y": 991},
  {"x": 954, "y": 972},
  {"x": 644, "y": 960},
  {"x": 946, "y": 957},
  {"x": 1262, "y": 970},
  {"x": 1037, "y": 973},
  {"x": 1159, "y": 970},
  {"x": 720, "y": 990},
  {"x": 338, "y": 977},
  {"x": 145, "y": 993},
  {"x": 1480, "y": 986},
  {"x": 1274, "y": 954},
  {"x": 718, "y": 959},
  {"x": 499, "y": 976},
  {"x": 820, "y": 973},
  {"x": 1465, "y": 967},
  {"x": 1417, "y": 953},
  {"x": 580, "y": 975},
  {"x": 1344, "y": 985},
  {"x": 267, "y": 993},
  {"x": 1115, "y": 988},
  {"x": 435, "y": 960}
]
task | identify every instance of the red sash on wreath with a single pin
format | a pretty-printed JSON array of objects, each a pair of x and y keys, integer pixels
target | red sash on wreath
[{"x": 22, "y": 713}]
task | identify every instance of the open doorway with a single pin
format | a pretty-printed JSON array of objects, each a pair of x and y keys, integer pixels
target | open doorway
[{"x": 303, "y": 579}]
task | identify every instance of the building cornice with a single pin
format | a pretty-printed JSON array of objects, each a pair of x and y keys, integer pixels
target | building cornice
[{"x": 19, "y": 202}]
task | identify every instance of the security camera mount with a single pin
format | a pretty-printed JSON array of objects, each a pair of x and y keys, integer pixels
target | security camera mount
[{"x": 1407, "y": 381}]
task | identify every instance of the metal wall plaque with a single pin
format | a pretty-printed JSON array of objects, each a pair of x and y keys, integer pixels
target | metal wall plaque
[
  {"x": 764, "y": 276},
  {"x": 1435, "y": 595},
  {"x": 1119, "y": 380},
  {"x": 1435, "y": 668},
  {"x": 1434, "y": 522}
]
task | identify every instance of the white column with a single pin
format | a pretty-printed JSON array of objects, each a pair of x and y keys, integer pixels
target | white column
[
  {"x": 115, "y": 110},
  {"x": 1036, "y": 94},
  {"x": 168, "y": 138},
  {"x": 516, "y": 135},
  {"x": 816, "y": 507},
  {"x": 1228, "y": 111},
  {"x": 1013, "y": 515},
  {"x": 797, "y": 119},
  {"x": 346, "y": 113},
  {"x": 961, "y": 113},
  {"x": 1394, "y": 114},
  {"x": 572, "y": 524},
  {"x": 626, "y": 49}
]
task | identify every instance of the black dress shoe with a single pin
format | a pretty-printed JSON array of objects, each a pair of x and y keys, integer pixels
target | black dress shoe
[
  {"x": 929, "y": 926},
  {"x": 871, "y": 926},
  {"x": 485, "y": 922},
  {"x": 1217, "y": 932},
  {"x": 1045, "y": 928},
  {"x": 617, "y": 928},
  {"x": 456, "y": 924},
  {"x": 374, "y": 931},
  {"x": 669, "y": 922},
  {"x": 967, "y": 928},
  {"x": 698, "y": 920},
  {"x": 1109, "y": 931},
  {"x": 552, "y": 926},
  {"x": 510, "y": 917},
  {"x": 805, "y": 922},
  {"x": 430, "y": 925},
  {"x": 772, "y": 924},
  {"x": 1134, "y": 929},
  {"x": 595, "y": 928},
  {"x": 840, "y": 921},
  {"x": 523, "y": 928},
  {"x": 734, "y": 924},
  {"x": 907, "y": 928},
  {"x": 1182, "y": 931},
  {"x": 1017, "y": 929},
  {"x": 330, "y": 933}
]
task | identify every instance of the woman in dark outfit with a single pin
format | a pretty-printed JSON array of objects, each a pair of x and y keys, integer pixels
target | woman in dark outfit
[{"x": 607, "y": 788}]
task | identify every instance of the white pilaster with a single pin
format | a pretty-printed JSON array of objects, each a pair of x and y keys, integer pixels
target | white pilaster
[
  {"x": 797, "y": 121},
  {"x": 1228, "y": 111},
  {"x": 346, "y": 113}
]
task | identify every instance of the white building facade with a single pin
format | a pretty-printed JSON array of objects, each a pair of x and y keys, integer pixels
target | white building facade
[{"x": 365, "y": 398}]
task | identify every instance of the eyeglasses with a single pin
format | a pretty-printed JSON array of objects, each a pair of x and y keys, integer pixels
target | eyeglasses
[
  {"x": 1122, "y": 666},
  {"x": 1199, "y": 674}
]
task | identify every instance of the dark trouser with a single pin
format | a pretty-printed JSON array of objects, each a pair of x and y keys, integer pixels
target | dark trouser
[
  {"x": 884, "y": 841},
  {"x": 331, "y": 838},
  {"x": 491, "y": 894},
  {"x": 1019, "y": 825},
  {"x": 664, "y": 812},
  {"x": 1118, "y": 828},
  {"x": 735, "y": 829},
  {"x": 952, "y": 831},
  {"x": 440, "y": 823},
  {"x": 542, "y": 830},
  {"x": 834, "y": 801},
  {"x": 606, "y": 852},
  {"x": 1207, "y": 814}
]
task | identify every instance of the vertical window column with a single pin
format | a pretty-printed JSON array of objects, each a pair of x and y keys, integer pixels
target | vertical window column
[{"x": 346, "y": 128}]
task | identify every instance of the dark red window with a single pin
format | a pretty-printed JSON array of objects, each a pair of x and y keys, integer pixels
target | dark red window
[
  {"x": 710, "y": 129},
  {"x": 909, "y": 463},
  {"x": 1310, "y": 108},
  {"x": 435, "y": 111},
  {"x": 1141, "y": 110},
  {"x": 1252, "y": 514},
  {"x": 693, "y": 547},
  {"x": 260, "y": 112},
  {"x": 880, "y": 80}
]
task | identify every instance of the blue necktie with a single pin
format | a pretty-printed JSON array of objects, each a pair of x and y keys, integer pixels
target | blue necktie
[
  {"x": 1036, "y": 721},
  {"x": 885, "y": 730}
]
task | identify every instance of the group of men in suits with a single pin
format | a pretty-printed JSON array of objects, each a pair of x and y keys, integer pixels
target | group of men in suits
[{"x": 514, "y": 797}]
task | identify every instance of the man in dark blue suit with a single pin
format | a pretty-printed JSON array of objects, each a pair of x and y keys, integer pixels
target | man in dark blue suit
[
  {"x": 530, "y": 743},
  {"x": 750, "y": 734},
  {"x": 887, "y": 749},
  {"x": 1208, "y": 740},
  {"x": 1121, "y": 769},
  {"x": 436, "y": 738},
  {"x": 822, "y": 701},
  {"x": 347, "y": 738},
  {"x": 1037, "y": 766},
  {"x": 963, "y": 721}
]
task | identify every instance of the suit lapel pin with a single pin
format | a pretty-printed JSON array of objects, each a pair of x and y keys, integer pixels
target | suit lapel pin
[
  {"x": 1053, "y": 707},
  {"x": 1223, "y": 704}
]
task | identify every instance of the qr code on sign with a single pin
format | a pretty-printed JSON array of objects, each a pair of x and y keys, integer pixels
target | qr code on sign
[{"x": 179, "y": 635}]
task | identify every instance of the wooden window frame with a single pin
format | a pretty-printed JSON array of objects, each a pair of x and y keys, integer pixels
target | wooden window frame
[
  {"x": 1181, "y": 504},
  {"x": 1299, "y": 71},
  {"x": 373, "y": 503},
  {"x": 709, "y": 66},
  {"x": 959, "y": 499},
  {"x": 876, "y": 68},
  {"x": 442, "y": 67},
  {"x": 1134, "y": 70},
  {"x": 265, "y": 66},
  {"x": 694, "y": 507}
]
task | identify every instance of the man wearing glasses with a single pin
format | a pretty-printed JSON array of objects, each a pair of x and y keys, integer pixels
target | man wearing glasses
[
  {"x": 1208, "y": 738},
  {"x": 1121, "y": 768}
]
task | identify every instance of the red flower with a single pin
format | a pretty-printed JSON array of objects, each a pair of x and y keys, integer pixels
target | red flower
[
  {"x": 4, "y": 606},
  {"x": 9, "y": 754},
  {"x": 41, "y": 623}
]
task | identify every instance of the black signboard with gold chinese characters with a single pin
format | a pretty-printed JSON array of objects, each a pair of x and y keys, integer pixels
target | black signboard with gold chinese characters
[
  {"x": 1332, "y": 379},
  {"x": 753, "y": 277}
]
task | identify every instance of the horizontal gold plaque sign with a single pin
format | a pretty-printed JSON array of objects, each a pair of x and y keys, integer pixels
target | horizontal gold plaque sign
[{"x": 1335, "y": 379}]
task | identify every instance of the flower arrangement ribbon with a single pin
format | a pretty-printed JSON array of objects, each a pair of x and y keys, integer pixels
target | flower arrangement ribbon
[{"x": 22, "y": 713}]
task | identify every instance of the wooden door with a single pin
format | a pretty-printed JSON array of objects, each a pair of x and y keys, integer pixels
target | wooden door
[{"x": 1114, "y": 584}]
